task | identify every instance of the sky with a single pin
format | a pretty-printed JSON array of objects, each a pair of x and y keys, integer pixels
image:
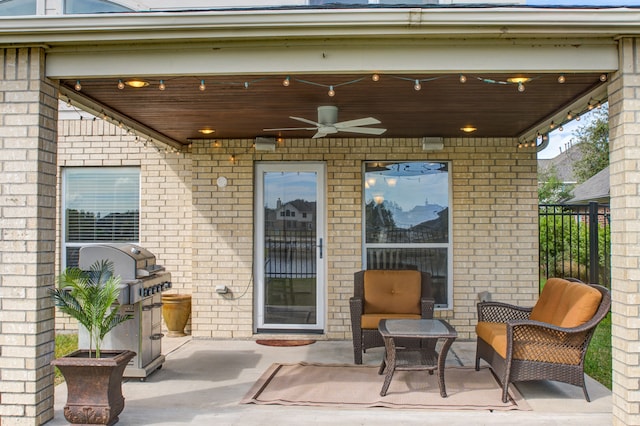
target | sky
[
  {"x": 583, "y": 3},
  {"x": 560, "y": 141}
]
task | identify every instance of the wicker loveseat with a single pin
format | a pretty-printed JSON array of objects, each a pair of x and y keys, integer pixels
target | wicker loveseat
[
  {"x": 388, "y": 294},
  {"x": 546, "y": 342}
]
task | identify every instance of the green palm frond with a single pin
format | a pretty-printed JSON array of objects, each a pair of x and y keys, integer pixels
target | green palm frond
[{"x": 90, "y": 298}]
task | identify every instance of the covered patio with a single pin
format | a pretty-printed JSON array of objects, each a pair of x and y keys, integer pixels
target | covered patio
[
  {"x": 203, "y": 382},
  {"x": 424, "y": 73}
]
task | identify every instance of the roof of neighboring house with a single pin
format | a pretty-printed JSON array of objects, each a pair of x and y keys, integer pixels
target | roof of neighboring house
[
  {"x": 596, "y": 188},
  {"x": 563, "y": 163}
]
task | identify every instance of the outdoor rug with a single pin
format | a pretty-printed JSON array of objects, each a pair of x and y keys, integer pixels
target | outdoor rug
[{"x": 358, "y": 386}]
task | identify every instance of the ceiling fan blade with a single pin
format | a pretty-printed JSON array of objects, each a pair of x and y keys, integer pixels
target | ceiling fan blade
[
  {"x": 319, "y": 134},
  {"x": 363, "y": 130},
  {"x": 304, "y": 120},
  {"x": 289, "y": 128},
  {"x": 358, "y": 122}
]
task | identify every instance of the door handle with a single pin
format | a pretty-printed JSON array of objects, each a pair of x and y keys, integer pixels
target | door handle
[{"x": 320, "y": 247}]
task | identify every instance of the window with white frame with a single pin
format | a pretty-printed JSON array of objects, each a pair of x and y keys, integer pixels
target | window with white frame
[
  {"x": 407, "y": 218},
  {"x": 99, "y": 205},
  {"x": 92, "y": 6}
]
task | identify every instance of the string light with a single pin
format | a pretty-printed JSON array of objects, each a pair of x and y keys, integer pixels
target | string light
[
  {"x": 560, "y": 128},
  {"x": 603, "y": 77},
  {"x": 577, "y": 117},
  {"x": 552, "y": 125},
  {"x": 120, "y": 84},
  {"x": 78, "y": 86},
  {"x": 521, "y": 87},
  {"x": 569, "y": 116},
  {"x": 161, "y": 86},
  {"x": 202, "y": 86},
  {"x": 561, "y": 79},
  {"x": 331, "y": 92},
  {"x": 375, "y": 77},
  {"x": 286, "y": 82},
  {"x": 417, "y": 86},
  {"x": 463, "y": 78}
]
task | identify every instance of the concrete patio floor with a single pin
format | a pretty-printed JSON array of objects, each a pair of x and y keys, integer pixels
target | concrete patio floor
[{"x": 202, "y": 382}]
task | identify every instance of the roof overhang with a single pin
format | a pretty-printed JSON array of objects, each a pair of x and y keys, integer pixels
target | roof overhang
[{"x": 323, "y": 44}]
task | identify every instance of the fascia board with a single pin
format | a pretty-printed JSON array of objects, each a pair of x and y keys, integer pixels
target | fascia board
[{"x": 441, "y": 22}]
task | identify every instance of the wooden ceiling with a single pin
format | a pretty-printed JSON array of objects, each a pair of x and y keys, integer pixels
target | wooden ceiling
[{"x": 238, "y": 110}]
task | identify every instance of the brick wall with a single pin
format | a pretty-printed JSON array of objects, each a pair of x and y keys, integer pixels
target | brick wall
[
  {"x": 494, "y": 224},
  {"x": 624, "y": 133},
  {"x": 204, "y": 234},
  {"x": 165, "y": 216},
  {"x": 28, "y": 113}
]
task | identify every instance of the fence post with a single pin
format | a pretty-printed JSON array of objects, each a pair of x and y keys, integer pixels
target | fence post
[{"x": 593, "y": 242}]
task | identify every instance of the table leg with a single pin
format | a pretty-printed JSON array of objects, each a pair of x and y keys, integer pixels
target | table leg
[
  {"x": 390, "y": 361},
  {"x": 442, "y": 358}
]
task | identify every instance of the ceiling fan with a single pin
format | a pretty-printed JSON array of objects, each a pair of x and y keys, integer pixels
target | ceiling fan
[{"x": 328, "y": 124}]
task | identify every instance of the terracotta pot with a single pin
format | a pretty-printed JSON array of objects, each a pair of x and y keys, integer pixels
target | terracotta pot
[
  {"x": 94, "y": 385},
  {"x": 176, "y": 309}
]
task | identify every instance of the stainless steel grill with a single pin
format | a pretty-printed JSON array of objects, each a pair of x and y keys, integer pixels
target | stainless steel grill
[{"x": 141, "y": 283}]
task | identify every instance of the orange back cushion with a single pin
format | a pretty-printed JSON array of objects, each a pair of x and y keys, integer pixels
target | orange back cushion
[
  {"x": 566, "y": 304},
  {"x": 392, "y": 292}
]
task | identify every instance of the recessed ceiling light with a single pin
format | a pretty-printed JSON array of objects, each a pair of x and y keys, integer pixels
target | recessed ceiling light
[
  {"x": 518, "y": 80},
  {"x": 206, "y": 131},
  {"x": 468, "y": 129},
  {"x": 136, "y": 83}
]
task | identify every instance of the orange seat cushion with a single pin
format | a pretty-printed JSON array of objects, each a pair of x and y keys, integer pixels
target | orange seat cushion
[
  {"x": 495, "y": 334},
  {"x": 566, "y": 304},
  {"x": 392, "y": 292},
  {"x": 370, "y": 321}
]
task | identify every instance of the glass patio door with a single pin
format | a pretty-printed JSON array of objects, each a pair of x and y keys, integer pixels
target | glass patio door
[{"x": 290, "y": 253}]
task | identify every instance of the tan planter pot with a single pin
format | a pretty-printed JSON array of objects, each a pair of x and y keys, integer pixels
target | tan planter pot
[
  {"x": 94, "y": 386},
  {"x": 176, "y": 309}
]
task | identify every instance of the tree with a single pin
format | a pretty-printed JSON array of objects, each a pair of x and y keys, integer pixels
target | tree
[
  {"x": 593, "y": 139},
  {"x": 551, "y": 190}
]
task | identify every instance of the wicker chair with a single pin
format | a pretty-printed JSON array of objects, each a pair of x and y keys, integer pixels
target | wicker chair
[
  {"x": 546, "y": 342},
  {"x": 389, "y": 294}
]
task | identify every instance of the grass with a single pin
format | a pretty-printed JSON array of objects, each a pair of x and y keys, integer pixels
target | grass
[
  {"x": 65, "y": 343},
  {"x": 597, "y": 363}
]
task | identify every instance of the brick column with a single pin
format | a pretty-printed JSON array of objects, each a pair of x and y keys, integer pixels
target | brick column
[
  {"x": 28, "y": 116},
  {"x": 624, "y": 122}
]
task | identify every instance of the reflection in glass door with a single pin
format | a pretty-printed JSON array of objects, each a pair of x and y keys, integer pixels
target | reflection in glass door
[{"x": 290, "y": 290}]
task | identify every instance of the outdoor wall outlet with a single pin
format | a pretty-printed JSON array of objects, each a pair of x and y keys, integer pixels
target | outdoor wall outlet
[{"x": 222, "y": 289}]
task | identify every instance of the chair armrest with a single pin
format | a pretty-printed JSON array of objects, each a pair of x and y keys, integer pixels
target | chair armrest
[
  {"x": 501, "y": 312},
  {"x": 543, "y": 342},
  {"x": 356, "y": 305},
  {"x": 427, "y": 306}
]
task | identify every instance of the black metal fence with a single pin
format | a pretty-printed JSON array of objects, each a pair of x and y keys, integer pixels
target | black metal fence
[{"x": 575, "y": 241}]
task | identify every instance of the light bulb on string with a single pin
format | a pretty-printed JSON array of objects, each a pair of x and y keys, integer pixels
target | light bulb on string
[
  {"x": 120, "y": 84},
  {"x": 286, "y": 82},
  {"x": 417, "y": 86},
  {"x": 246, "y": 84},
  {"x": 78, "y": 86},
  {"x": 521, "y": 87},
  {"x": 561, "y": 79},
  {"x": 202, "y": 86},
  {"x": 590, "y": 106},
  {"x": 569, "y": 116},
  {"x": 331, "y": 92},
  {"x": 603, "y": 77},
  {"x": 161, "y": 86},
  {"x": 463, "y": 78},
  {"x": 577, "y": 117},
  {"x": 552, "y": 125},
  {"x": 560, "y": 128},
  {"x": 375, "y": 77}
]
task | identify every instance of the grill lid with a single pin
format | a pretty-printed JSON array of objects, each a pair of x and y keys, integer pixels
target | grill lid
[{"x": 130, "y": 261}]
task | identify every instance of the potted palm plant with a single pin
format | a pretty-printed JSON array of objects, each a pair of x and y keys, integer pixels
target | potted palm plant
[{"x": 93, "y": 376}]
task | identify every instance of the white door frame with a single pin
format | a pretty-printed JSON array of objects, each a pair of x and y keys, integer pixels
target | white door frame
[{"x": 321, "y": 252}]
